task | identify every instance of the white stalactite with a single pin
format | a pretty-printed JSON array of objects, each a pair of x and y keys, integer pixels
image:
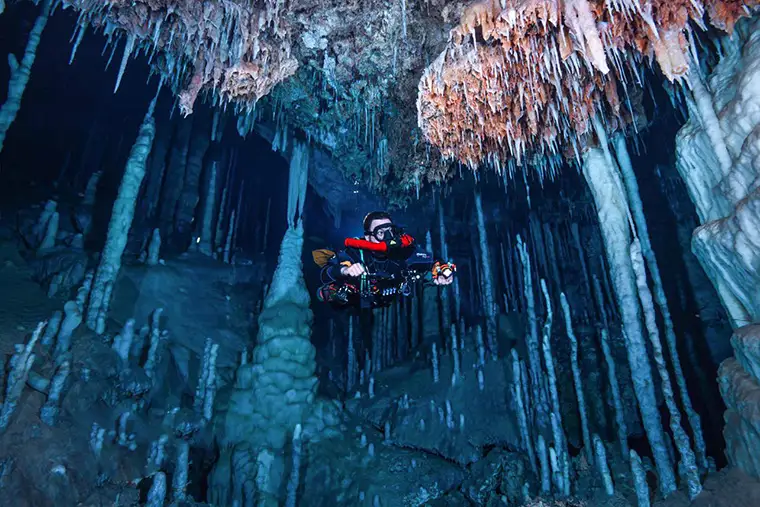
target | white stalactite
[
  {"x": 128, "y": 48},
  {"x": 622, "y": 426},
  {"x": 534, "y": 359},
  {"x": 228, "y": 242},
  {"x": 577, "y": 378},
  {"x": 351, "y": 365},
  {"x": 20, "y": 72},
  {"x": 612, "y": 208},
  {"x": 688, "y": 466},
  {"x": 522, "y": 414},
  {"x": 206, "y": 245},
  {"x": 558, "y": 433},
  {"x": 455, "y": 355},
  {"x": 487, "y": 278},
  {"x": 434, "y": 359},
  {"x": 709, "y": 119},
  {"x": 121, "y": 221},
  {"x": 637, "y": 209}
]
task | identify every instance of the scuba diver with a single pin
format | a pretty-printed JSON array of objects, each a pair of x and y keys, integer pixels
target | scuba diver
[{"x": 372, "y": 272}]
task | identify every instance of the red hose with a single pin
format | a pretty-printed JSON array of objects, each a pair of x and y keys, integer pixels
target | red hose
[
  {"x": 363, "y": 244},
  {"x": 382, "y": 247}
]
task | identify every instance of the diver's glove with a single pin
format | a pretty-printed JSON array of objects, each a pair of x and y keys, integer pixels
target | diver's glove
[{"x": 443, "y": 270}]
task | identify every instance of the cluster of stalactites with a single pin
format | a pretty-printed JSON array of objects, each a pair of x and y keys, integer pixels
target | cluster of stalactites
[
  {"x": 235, "y": 48},
  {"x": 521, "y": 79}
]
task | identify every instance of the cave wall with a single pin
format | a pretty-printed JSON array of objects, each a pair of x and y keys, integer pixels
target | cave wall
[{"x": 727, "y": 242}]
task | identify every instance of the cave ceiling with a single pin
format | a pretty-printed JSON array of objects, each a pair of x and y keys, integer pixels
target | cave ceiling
[{"x": 397, "y": 92}]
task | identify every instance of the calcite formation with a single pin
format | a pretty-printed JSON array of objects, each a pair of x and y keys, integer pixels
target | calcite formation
[
  {"x": 238, "y": 49},
  {"x": 521, "y": 79}
]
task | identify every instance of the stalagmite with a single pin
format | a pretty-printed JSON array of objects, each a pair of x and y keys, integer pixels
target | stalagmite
[
  {"x": 121, "y": 221},
  {"x": 487, "y": 279},
  {"x": 601, "y": 463},
  {"x": 49, "y": 412},
  {"x": 640, "y": 485},
  {"x": 20, "y": 72},
  {"x": 637, "y": 209},
  {"x": 154, "y": 248},
  {"x": 612, "y": 208},
  {"x": 543, "y": 459},
  {"x": 20, "y": 364},
  {"x": 283, "y": 364},
  {"x": 688, "y": 465},
  {"x": 577, "y": 378},
  {"x": 179, "y": 482},
  {"x": 157, "y": 493}
]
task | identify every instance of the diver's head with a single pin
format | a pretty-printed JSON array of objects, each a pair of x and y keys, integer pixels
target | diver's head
[{"x": 378, "y": 227}]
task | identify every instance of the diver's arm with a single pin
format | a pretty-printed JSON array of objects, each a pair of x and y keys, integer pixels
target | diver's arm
[{"x": 332, "y": 270}]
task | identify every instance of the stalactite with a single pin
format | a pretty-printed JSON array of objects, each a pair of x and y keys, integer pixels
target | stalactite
[
  {"x": 577, "y": 378},
  {"x": 487, "y": 278},
  {"x": 81, "y": 29},
  {"x": 188, "y": 198},
  {"x": 551, "y": 254},
  {"x": 688, "y": 465},
  {"x": 637, "y": 209},
  {"x": 266, "y": 225},
  {"x": 121, "y": 221},
  {"x": 522, "y": 416},
  {"x": 534, "y": 359},
  {"x": 445, "y": 301},
  {"x": 555, "y": 417},
  {"x": 351, "y": 365},
  {"x": 128, "y": 48},
  {"x": 709, "y": 119},
  {"x": 21, "y": 72},
  {"x": 206, "y": 244},
  {"x": 575, "y": 231},
  {"x": 175, "y": 174},
  {"x": 612, "y": 209},
  {"x": 156, "y": 167},
  {"x": 228, "y": 242}
]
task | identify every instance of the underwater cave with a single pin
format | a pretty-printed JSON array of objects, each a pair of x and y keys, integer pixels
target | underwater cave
[{"x": 380, "y": 253}]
